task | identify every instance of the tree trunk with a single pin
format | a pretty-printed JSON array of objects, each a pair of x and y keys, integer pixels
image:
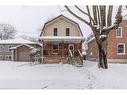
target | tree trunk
[{"x": 102, "y": 55}]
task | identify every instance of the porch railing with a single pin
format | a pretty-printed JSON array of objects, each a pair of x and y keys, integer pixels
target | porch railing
[
  {"x": 53, "y": 53},
  {"x": 64, "y": 53},
  {"x": 70, "y": 52},
  {"x": 80, "y": 56}
]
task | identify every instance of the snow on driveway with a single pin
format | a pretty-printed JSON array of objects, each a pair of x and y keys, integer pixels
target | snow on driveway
[{"x": 21, "y": 75}]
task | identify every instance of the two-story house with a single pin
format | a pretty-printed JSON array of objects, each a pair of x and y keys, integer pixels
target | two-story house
[
  {"x": 61, "y": 41},
  {"x": 117, "y": 45}
]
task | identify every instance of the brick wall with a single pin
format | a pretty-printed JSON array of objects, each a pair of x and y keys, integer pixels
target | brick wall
[
  {"x": 47, "y": 48},
  {"x": 92, "y": 52}
]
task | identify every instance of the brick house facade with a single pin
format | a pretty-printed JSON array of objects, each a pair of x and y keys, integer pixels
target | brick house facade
[{"x": 117, "y": 45}]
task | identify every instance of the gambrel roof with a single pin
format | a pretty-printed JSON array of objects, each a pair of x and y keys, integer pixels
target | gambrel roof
[{"x": 60, "y": 16}]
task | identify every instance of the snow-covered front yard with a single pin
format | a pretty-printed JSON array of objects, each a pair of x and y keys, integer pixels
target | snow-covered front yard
[{"x": 62, "y": 76}]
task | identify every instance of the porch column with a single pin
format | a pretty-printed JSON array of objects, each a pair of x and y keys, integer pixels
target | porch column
[
  {"x": 42, "y": 52},
  {"x": 62, "y": 48},
  {"x": 78, "y": 46}
]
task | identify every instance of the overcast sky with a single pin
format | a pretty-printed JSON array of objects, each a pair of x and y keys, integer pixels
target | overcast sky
[{"x": 29, "y": 19}]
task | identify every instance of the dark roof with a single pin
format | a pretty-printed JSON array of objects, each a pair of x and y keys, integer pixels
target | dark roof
[{"x": 59, "y": 17}]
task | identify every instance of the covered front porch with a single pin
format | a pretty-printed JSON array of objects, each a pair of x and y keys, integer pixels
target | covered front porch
[{"x": 62, "y": 49}]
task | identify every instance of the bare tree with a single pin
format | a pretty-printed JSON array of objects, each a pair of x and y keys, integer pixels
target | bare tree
[
  {"x": 24, "y": 37},
  {"x": 33, "y": 39},
  {"x": 7, "y": 31},
  {"x": 101, "y": 24}
]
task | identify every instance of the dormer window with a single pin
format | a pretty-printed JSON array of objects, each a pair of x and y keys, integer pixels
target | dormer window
[
  {"x": 119, "y": 32},
  {"x": 67, "y": 31},
  {"x": 55, "y": 32}
]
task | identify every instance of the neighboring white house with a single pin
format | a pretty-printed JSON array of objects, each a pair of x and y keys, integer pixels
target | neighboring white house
[{"x": 16, "y": 49}]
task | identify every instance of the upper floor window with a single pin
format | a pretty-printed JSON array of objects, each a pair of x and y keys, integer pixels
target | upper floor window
[
  {"x": 67, "y": 31},
  {"x": 119, "y": 32},
  {"x": 121, "y": 48},
  {"x": 55, "y": 32}
]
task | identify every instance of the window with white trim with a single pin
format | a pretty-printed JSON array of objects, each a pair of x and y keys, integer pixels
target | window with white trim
[
  {"x": 119, "y": 32},
  {"x": 1, "y": 48},
  {"x": 67, "y": 31},
  {"x": 121, "y": 48},
  {"x": 55, "y": 47},
  {"x": 9, "y": 47},
  {"x": 55, "y": 32},
  {"x": 1, "y": 56}
]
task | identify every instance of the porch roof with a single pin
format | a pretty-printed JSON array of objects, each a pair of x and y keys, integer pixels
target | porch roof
[{"x": 63, "y": 38}]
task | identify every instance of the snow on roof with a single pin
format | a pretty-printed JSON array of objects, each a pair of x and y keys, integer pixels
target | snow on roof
[
  {"x": 64, "y": 38},
  {"x": 125, "y": 17},
  {"x": 22, "y": 45},
  {"x": 90, "y": 40},
  {"x": 16, "y": 41}
]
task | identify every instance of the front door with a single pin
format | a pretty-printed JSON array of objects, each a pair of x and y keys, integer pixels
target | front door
[{"x": 71, "y": 47}]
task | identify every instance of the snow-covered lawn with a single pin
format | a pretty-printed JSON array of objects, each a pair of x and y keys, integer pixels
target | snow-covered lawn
[{"x": 62, "y": 76}]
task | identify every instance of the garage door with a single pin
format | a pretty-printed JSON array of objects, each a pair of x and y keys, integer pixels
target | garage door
[{"x": 24, "y": 56}]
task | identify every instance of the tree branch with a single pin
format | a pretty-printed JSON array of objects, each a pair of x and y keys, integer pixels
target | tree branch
[
  {"x": 109, "y": 16},
  {"x": 108, "y": 29},
  {"x": 85, "y": 13},
  {"x": 68, "y": 9},
  {"x": 98, "y": 16},
  {"x": 89, "y": 14},
  {"x": 118, "y": 19}
]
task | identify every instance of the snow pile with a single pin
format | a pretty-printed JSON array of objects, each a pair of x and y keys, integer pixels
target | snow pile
[{"x": 34, "y": 50}]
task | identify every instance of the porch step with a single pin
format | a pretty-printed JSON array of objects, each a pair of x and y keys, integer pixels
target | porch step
[{"x": 76, "y": 60}]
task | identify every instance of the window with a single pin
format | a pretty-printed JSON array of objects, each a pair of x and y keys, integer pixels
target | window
[
  {"x": 67, "y": 31},
  {"x": 9, "y": 47},
  {"x": 1, "y": 48},
  {"x": 55, "y": 32},
  {"x": 8, "y": 57},
  {"x": 119, "y": 32},
  {"x": 121, "y": 48},
  {"x": 1, "y": 56},
  {"x": 55, "y": 47}
]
